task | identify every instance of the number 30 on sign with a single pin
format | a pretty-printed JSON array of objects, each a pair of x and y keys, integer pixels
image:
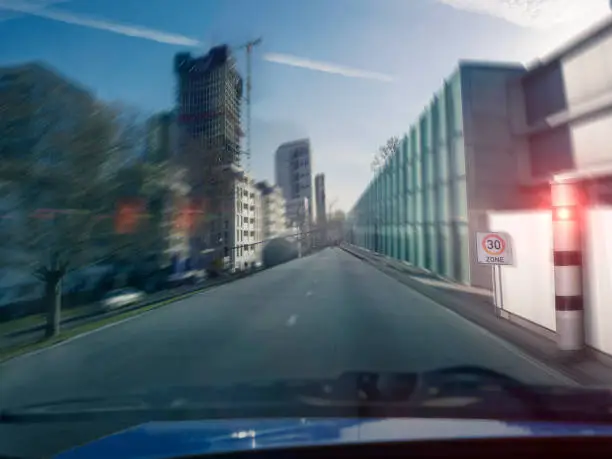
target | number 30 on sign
[{"x": 494, "y": 248}]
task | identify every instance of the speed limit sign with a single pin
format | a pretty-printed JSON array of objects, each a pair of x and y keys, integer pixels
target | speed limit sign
[{"x": 494, "y": 248}]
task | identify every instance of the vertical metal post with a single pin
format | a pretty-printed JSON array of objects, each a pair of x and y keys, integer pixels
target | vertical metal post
[
  {"x": 498, "y": 293},
  {"x": 567, "y": 255},
  {"x": 494, "y": 282},
  {"x": 500, "y": 288}
]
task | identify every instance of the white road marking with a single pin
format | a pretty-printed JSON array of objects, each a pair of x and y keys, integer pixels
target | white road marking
[{"x": 292, "y": 320}]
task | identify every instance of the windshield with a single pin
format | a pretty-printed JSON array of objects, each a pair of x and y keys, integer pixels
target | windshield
[{"x": 288, "y": 192}]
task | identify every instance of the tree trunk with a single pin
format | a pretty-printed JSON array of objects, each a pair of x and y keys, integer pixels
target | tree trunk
[{"x": 53, "y": 298}]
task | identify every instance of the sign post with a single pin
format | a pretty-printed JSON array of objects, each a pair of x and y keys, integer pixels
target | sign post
[{"x": 495, "y": 249}]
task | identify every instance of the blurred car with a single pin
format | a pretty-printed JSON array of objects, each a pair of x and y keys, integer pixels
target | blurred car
[{"x": 121, "y": 297}]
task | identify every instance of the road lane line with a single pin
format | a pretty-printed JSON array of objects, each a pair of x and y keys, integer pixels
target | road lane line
[
  {"x": 292, "y": 320},
  {"x": 475, "y": 326}
]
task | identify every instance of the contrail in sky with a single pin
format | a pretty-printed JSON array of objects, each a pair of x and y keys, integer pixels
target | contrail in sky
[
  {"x": 38, "y": 9},
  {"x": 101, "y": 24},
  {"x": 294, "y": 61},
  {"x": 538, "y": 14}
]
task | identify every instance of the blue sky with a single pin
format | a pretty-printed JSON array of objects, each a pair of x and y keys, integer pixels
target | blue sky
[{"x": 410, "y": 45}]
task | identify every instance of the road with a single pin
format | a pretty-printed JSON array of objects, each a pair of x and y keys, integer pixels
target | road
[{"x": 313, "y": 317}]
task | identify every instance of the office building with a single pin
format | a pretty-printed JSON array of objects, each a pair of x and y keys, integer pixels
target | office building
[
  {"x": 161, "y": 137},
  {"x": 321, "y": 207},
  {"x": 273, "y": 210},
  {"x": 293, "y": 166},
  {"x": 320, "y": 203}
]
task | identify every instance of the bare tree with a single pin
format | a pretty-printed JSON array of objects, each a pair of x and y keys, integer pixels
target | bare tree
[
  {"x": 385, "y": 152},
  {"x": 69, "y": 162}
]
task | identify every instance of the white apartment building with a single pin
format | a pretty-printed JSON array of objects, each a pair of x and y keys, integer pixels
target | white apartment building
[
  {"x": 293, "y": 166},
  {"x": 273, "y": 210},
  {"x": 247, "y": 232}
]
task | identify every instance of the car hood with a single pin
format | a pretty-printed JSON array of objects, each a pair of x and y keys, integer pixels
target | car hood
[{"x": 174, "y": 439}]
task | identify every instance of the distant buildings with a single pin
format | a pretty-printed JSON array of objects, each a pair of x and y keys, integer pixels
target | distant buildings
[
  {"x": 161, "y": 137},
  {"x": 320, "y": 198},
  {"x": 293, "y": 167},
  {"x": 273, "y": 210}
]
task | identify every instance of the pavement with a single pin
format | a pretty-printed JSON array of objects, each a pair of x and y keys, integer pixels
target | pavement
[
  {"x": 313, "y": 317},
  {"x": 587, "y": 367}
]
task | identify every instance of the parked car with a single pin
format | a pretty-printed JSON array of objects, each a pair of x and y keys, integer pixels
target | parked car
[{"x": 121, "y": 297}]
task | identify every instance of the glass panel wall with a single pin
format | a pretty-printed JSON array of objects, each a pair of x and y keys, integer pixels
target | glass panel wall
[{"x": 416, "y": 208}]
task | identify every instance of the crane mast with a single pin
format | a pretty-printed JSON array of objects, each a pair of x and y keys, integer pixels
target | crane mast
[{"x": 249, "y": 51}]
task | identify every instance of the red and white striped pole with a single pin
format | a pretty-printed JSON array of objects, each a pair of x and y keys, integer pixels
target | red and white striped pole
[{"x": 567, "y": 255}]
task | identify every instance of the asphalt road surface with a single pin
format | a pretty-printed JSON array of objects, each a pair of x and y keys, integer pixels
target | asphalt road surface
[{"x": 314, "y": 317}]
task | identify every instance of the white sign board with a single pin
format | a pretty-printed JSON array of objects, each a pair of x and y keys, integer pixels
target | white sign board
[{"x": 494, "y": 248}]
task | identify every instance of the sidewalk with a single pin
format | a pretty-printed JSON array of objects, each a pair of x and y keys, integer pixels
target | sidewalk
[{"x": 476, "y": 306}]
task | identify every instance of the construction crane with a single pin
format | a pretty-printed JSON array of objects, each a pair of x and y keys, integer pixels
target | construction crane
[{"x": 248, "y": 47}]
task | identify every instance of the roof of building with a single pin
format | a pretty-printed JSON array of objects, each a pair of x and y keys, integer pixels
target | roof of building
[
  {"x": 294, "y": 142},
  {"x": 597, "y": 30},
  {"x": 216, "y": 57},
  {"x": 493, "y": 65},
  {"x": 266, "y": 187}
]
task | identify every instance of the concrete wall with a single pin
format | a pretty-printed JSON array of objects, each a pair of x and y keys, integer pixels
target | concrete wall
[
  {"x": 528, "y": 285},
  {"x": 492, "y": 148},
  {"x": 592, "y": 140},
  {"x": 569, "y": 107},
  {"x": 598, "y": 278}
]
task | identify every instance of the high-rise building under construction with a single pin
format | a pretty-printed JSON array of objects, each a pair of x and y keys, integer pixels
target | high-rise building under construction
[{"x": 209, "y": 94}]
